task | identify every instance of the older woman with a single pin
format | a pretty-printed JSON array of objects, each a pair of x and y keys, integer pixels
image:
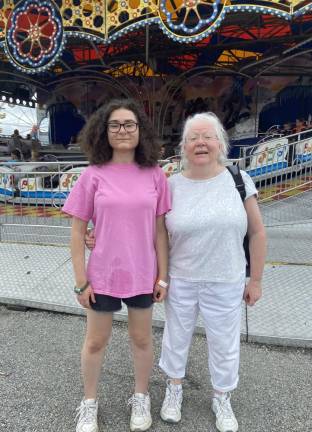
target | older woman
[{"x": 206, "y": 226}]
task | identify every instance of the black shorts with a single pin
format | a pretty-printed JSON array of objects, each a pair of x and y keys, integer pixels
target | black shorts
[{"x": 106, "y": 303}]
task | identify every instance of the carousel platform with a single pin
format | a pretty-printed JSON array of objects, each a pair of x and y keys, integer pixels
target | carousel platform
[{"x": 40, "y": 276}]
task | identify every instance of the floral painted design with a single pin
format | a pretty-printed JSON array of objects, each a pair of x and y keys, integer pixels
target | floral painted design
[{"x": 35, "y": 34}]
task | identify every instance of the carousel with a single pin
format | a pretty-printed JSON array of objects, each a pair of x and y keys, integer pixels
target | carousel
[{"x": 250, "y": 62}]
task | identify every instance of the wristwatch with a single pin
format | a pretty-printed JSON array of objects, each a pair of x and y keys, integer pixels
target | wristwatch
[
  {"x": 162, "y": 283},
  {"x": 81, "y": 289}
]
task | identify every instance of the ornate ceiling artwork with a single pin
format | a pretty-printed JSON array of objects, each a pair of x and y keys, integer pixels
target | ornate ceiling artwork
[{"x": 52, "y": 39}]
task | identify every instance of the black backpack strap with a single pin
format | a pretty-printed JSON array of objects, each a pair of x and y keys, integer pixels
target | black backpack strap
[
  {"x": 238, "y": 179},
  {"x": 240, "y": 186}
]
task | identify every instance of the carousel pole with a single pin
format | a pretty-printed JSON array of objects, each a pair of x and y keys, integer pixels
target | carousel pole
[
  {"x": 147, "y": 37},
  {"x": 147, "y": 44},
  {"x": 257, "y": 113}
]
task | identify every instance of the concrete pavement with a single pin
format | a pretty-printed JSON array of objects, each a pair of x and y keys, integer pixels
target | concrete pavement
[{"x": 41, "y": 387}]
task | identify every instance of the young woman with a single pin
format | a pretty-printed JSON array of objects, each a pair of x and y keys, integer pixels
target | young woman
[{"x": 125, "y": 194}]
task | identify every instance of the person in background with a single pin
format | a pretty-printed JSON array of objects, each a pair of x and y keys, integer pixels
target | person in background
[
  {"x": 73, "y": 139},
  {"x": 34, "y": 133},
  {"x": 15, "y": 141},
  {"x": 162, "y": 152},
  {"x": 287, "y": 128},
  {"x": 16, "y": 156},
  {"x": 125, "y": 194},
  {"x": 299, "y": 126}
]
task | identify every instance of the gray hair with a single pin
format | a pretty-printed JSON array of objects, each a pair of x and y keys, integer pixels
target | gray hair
[{"x": 221, "y": 134}]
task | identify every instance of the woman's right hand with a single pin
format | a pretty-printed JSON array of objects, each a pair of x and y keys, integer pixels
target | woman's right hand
[
  {"x": 90, "y": 239},
  {"x": 85, "y": 296}
]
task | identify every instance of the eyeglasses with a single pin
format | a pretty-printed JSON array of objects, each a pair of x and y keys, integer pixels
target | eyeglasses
[
  {"x": 205, "y": 137},
  {"x": 115, "y": 127}
]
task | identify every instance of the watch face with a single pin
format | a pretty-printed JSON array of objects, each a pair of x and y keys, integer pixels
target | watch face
[{"x": 81, "y": 289}]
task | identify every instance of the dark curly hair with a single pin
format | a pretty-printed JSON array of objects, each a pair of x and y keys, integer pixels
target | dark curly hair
[{"x": 93, "y": 138}]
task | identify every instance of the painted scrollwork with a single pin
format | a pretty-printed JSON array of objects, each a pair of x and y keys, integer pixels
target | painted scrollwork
[{"x": 189, "y": 17}]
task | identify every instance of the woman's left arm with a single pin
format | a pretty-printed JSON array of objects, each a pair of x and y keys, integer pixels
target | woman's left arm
[
  {"x": 162, "y": 258},
  {"x": 257, "y": 249}
]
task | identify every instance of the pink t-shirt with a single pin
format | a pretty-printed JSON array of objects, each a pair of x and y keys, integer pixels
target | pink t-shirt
[{"x": 122, "y": 200}]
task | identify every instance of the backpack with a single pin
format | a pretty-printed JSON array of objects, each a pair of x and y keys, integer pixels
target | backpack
[{"x": 240, "y": 186}]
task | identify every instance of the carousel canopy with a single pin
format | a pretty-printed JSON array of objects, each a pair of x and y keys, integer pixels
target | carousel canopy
[{"x": 44, "y": 43}]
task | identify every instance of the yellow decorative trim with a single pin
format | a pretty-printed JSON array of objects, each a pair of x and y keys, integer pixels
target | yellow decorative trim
[
  {"x": 113, "y": 13},
  {"x": 102, "y": 17}
]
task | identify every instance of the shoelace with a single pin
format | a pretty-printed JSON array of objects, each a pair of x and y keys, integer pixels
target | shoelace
[
  {"x": 86, "y": 412},
  {"x": 138, "y": 405},
  {"x": 172, "y": 397},
  {"x": 225, "y": 407}
]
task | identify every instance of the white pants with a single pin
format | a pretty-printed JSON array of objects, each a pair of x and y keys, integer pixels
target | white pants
[{"x": 220, "y": 307}]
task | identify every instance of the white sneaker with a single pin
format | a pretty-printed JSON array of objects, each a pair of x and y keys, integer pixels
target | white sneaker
[
  {"x": 141, "y": 418},
  {"x": 171, "y": 407},
  {"x": 87, "y": 416},
  {"x": 225, "y": 418}
]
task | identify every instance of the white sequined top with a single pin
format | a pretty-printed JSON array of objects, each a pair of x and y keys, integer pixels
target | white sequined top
[{"x": 207, "y": 225}]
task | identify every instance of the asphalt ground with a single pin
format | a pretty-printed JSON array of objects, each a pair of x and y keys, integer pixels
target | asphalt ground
[{"x": 40, "y": 384}]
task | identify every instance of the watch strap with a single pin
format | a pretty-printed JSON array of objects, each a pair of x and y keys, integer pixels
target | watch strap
[{"x": 80, "y": 290}]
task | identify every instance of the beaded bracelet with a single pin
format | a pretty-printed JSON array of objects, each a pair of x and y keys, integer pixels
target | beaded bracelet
[{"x": 162, "y": 283}]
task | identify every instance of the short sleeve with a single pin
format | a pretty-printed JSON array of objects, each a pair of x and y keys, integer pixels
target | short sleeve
[
  {"x": 249, "y": 185},
  {"x": 80, "y": 201},
  {"x": 163, "y": 193}
]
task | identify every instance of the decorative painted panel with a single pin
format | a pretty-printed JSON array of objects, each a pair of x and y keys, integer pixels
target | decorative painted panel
[{"x": 34, "y": 32}]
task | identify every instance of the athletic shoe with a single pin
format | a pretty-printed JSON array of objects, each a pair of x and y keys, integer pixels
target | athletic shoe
[
  {"x": 171, "y": 407},
  {"x": 225, "y": 418},
  {"x": 141, "y": 418},
  {"x": 87, "y": 416}
]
